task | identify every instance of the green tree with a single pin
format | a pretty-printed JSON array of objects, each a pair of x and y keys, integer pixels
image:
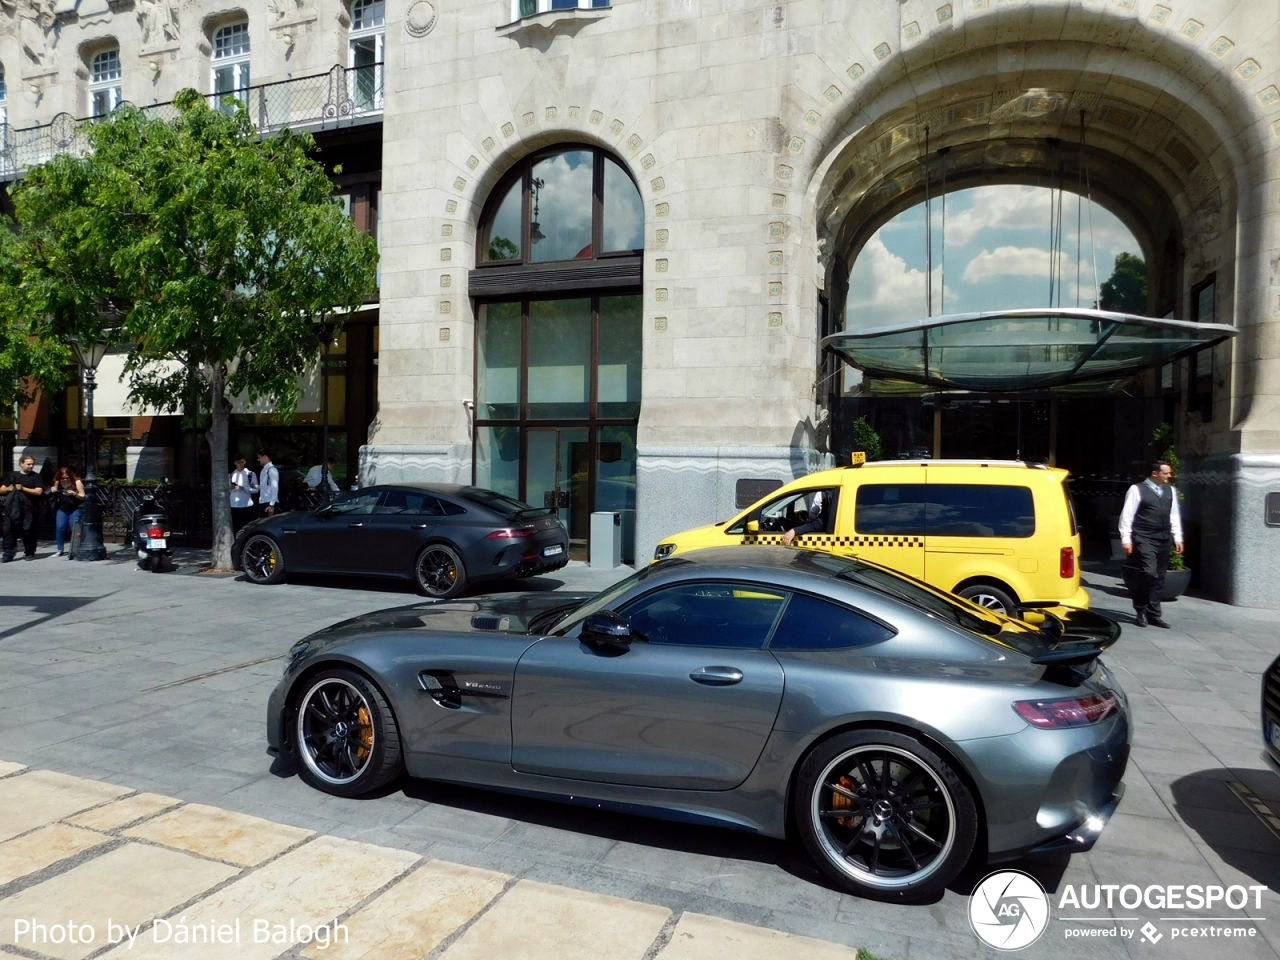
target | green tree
[
  {"x": 866, "y": 439},
  {"x": 1125, "y": 291},
  {"x": 218, "y": 257},
  {"x": 27, "y": 361}
]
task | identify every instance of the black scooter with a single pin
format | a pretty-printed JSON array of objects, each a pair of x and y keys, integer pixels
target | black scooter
[{"x": 151, "y": 534}]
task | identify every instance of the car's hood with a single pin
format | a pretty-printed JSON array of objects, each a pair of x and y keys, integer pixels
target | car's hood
[{"x": 504, "y": 613}]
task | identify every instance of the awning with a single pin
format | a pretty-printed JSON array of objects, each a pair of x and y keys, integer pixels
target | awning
[{"x": 1016, "y": 350}]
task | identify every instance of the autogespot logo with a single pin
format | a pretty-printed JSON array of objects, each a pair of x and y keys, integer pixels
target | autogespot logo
[{"x": 1009, "y": 910}]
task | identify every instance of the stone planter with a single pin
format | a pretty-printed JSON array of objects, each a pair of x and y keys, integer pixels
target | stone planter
[{"x": 1175, "y": 584}]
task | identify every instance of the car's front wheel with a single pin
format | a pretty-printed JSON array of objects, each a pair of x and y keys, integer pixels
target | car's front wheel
[
  {"x": 262, "y": 559},
  {"x": 346, "y": 734},
  {"x": 884, "y": 815},
  {"x": 439, "y": 572}
]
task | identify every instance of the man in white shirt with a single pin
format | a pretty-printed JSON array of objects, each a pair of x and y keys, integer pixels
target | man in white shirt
[
  {"x": 1149, "y": 523},
  {"x": 268, "y": 484},
  {"x": 244, "y": 484},
  {"x": 318, "y": 476}
]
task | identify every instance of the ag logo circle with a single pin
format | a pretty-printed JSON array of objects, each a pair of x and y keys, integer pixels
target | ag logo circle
[{"x": 1009, "y": 910}]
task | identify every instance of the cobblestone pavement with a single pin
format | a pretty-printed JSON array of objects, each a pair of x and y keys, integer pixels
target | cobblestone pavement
[{"x": 157, "y": 683}]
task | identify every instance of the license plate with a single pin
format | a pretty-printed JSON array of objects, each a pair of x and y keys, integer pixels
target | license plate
[
  {"x": 1273, "y": 734},
  {"x": 155, "y": 543},
  {"x": 552, "y": 551}
]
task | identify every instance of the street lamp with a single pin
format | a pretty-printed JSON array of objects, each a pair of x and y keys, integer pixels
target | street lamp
[{"x": 89, "y": 353}]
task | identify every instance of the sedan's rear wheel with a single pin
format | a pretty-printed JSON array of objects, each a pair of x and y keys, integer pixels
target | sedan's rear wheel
[
  {"x": 346, "y": 734},
  {"x": 262, "y": 560},
  {"x": 884, "y": 815},
  {"x": 439, "y": 572}
]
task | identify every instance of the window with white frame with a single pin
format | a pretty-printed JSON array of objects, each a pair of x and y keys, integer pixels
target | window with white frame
[
  {"x": 231, "y": 59},
  {"x": 527, "y": 8},
  {"x": 104, "y": 82},
  {"x": 367, "y": 50}
]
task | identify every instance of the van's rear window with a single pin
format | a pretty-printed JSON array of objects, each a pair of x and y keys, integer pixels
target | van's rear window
[{"x": 945, "y": 510}]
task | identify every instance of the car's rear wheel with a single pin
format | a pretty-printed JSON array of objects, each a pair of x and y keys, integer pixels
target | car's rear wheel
[
  {"x": 439, "y": 572},
  {"x": 262, "y": 559},
  {"x": 991, "y": 597},
  {"x": 884, "y": 815},
  {"x": 346, "y": 734}
]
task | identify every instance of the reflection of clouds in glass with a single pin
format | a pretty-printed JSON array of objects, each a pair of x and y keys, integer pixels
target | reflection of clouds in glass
[
  {"x": 504, "y": 235},
  {"x": 623, "y": 211},
  {"x": 564, "y": 206},
  {"x": 884, "y": 291}
]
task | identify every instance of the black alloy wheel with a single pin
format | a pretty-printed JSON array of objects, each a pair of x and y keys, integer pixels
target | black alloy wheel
[
  {"x": 439, "y": 572},
  {"x": 990, "y": 597},
  {"x": 884, "y": 815},
  {"x": 346, "y": 734},
  {"x": 262, "y": 559}
]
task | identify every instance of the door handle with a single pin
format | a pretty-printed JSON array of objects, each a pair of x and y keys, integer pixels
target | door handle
[
  {"x": 420, "y": 526},
  {"x": 716, "y": 676},
  {"x": 355, "y": 524}
]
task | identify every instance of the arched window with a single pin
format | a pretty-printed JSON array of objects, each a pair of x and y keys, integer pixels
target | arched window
[
  {"x": 104, "y": 82},
  {"x": 527, "y": 8},
  {"x": 574, "y": 203},
  {"x": 231, "y": 58},
  {"x": 366, "y": 53}
]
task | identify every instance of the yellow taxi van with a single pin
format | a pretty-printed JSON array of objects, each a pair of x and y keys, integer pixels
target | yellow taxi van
[{"x": 1001, "y": 534}]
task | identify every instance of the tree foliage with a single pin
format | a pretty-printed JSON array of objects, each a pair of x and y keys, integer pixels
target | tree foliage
[
  {"x": 866, "y": 439},
  {"x": 1125, "y": 291},
  {"x": 217, "y": 257}
]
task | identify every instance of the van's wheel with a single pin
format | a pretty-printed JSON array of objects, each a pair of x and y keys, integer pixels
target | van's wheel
[
  {"x": 439, "y": 572},
  {"x": 262, "y": 560},
  {"x": 346, "y": 734},
  {"x": 884, "y": 816},
  {"x": 993, "y": 598}
]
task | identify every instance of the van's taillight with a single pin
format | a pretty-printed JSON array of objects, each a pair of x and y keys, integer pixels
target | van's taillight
[
  {"x": 155, "y": 532},
  {"x": 1067, "y": 563},
  {"x": 1075, "y": 712}
]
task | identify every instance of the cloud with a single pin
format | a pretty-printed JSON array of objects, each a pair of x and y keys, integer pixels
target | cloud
[
  {"x": 1011, "y": 262},
  {"x": 998, "y": 207},
  {"x": 882, "y": 291}
]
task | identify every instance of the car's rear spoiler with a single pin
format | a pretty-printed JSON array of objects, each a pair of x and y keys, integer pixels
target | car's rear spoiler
[
  {"x": 1079, "y": 637},
  {"x": 534, "y": 513}
]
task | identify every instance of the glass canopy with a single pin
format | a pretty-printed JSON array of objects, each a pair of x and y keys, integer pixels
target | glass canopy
[{"x": 1015, "y": 350}]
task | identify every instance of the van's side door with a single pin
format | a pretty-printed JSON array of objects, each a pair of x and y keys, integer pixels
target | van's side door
[
  {"x": 983, "y": 529},
  {"x": 882, "y": 519}
]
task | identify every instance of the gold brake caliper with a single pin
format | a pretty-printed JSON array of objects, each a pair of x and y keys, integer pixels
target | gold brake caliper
[
  {"x": 366, "y": 732},
  {"x": 840, "y": 802}
]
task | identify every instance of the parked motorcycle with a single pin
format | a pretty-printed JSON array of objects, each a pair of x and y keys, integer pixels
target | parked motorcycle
[{"x": 151, "y": 534}]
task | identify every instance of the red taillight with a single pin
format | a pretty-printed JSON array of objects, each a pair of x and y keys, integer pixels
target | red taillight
[
  {"x": 511, "y": 533},
  {"x": 155, "y": 532},
  {"x": 1075, "y": 712},
  {"x": 1067, "y": 563}
]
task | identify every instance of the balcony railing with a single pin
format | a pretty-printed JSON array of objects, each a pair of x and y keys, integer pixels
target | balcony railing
[{"x": 343, "y": 95}]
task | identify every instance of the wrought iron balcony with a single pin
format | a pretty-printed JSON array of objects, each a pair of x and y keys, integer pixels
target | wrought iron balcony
[{"x": 344, "y": 95}]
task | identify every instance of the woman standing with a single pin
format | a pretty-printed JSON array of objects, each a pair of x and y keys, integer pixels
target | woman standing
[
  {"x": 244, "y": 484},
  {"x": 68, "y": 497}
]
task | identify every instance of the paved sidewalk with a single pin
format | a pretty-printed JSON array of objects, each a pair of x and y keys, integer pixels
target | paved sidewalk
[
  {"x": 159, "y": 682},
  {"x": 91, "y": 869}
]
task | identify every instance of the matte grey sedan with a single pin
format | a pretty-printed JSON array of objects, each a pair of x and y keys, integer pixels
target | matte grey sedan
[{"x": 902, "y": 731}]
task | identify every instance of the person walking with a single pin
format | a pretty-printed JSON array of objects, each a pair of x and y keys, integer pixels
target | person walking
[
  {"x": 68, "y": 498},
  {"x": 268, "y": 484},
  {"x": 23, "y": 492},
  {"x": 244, "y": 485},
  {"x": 1149, "y": 523}
]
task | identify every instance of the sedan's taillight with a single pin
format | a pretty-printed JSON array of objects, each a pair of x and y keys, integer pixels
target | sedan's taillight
[
  {"x": 1073, "y": 712},
  {"x": 1067, "y": 563},
  {"x": 511, "y": 533}
]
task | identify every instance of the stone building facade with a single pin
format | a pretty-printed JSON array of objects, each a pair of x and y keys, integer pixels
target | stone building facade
[{"x": 766, "y": 142}]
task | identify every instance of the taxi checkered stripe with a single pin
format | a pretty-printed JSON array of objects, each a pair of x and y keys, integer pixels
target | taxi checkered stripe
[{"x": 831, "y": 540}]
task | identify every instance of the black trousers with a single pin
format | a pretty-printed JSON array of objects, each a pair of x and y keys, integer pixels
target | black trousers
[
  {"x": 242, "y": 515},
  {"x": 12, "y": 530},
  {"x": 1144, "y": 571}
]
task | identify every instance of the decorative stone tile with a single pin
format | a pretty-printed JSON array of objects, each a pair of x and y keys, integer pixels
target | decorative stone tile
[
  {"x": 647, "y": 161},
  {"x": 796, "y": 145},
  {"x": 775, "y": 258},
  {"x": 945, "y": 13},
  {"x": 775, "y": 289},
  {"x": 446, "y": 230},
  {"x": 220, "y": 834},
  {"x": 575, "y": 113},
  {"x": 881, "y": 51},
  {"x": 1125, "y": 4},
  {"x": 122, "y": 812},
  {"x": 33, "y": 799},
  {"x": 473, "y": 162},
  {"x": 446, "y": 253},
  {"x": 1221, "y": 47},
  {"x": 855, "y": 72},
  {"x": 596, "y": 116},
  {"x": 527, "y": 119},
  {"x": 1248, "y": 69},
  {"x": 660, "y": 324},
  {"x": 444, "y": 333},
  {"x": 1182, "y": 153},
  {"x": 446, "y": 307},
  {"x": 778, "y": 200},
  {"x": 981, "y": 4},
  {"x": 550, "y": 113},
  {"x": 775, "y": 319},
  {"x": 832, "y": 93},
  {"x": 662, "y": 235},
  {"x": 1275, "y": 128},
  {"x": 634, "y": 141},
  {"x": 776, "y": 230},
  {"x": 784, "y": 172},
  {"x": 911, "y": 30},
  {"x": 1160, "y": 13},
  {"x": 660, "y": 294},
  {"x": 451, "y": 206},
  {"x": 25, "y": 855},
  {"x": 657, "y": 183},
  {"x": 488, "y": 143},
  {"x": 662, "y": 209},
  {"x": 1269, "y": 96},
  {"x": 811, "y": 118},
  {"x": 1191, "y": 29},
  {"x": 615, "y": 127},
  {"x": 446, "y": 280},
  {"x": 508, "y": 129},
  {"x": 459, "y": 183},
  {"x": 660, "y": 266}
]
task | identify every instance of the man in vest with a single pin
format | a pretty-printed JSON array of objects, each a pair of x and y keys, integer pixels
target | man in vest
[{"x": 1149, "y": 523}]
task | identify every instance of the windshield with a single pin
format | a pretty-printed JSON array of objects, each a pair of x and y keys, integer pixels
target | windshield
[
  {"x": 604, "y": 600},
  {"x": 499, "y": 503}
]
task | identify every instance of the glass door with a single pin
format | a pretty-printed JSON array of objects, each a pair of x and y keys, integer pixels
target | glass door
[{"x": 557, "y": 471}]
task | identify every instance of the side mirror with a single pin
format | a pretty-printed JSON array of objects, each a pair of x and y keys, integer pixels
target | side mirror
[
  {"x": 753, "y": 526},
  {"x": 607, "y": 627}
]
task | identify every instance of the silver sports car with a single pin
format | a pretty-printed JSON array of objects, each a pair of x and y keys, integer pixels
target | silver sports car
[{"x": 901, "y": 730}]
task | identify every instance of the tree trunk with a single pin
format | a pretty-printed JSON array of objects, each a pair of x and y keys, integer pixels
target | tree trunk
[{"x": 220, "y": 475}]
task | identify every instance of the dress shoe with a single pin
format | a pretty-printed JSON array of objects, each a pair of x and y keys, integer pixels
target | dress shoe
[
  {"x": 1157, "y": 622},
  {"x": 1140, "y": 620}
]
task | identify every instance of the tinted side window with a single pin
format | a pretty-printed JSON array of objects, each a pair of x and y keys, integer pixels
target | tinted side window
[
  {"x": 360, "y": 503},
  {"x": 707, "y": 614},
  {"x": 813, "y": 624},
  {"x": 971, "y": 510},
  {"x": 896, "y": 508},
  {"x": 417, "y": 504}
]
